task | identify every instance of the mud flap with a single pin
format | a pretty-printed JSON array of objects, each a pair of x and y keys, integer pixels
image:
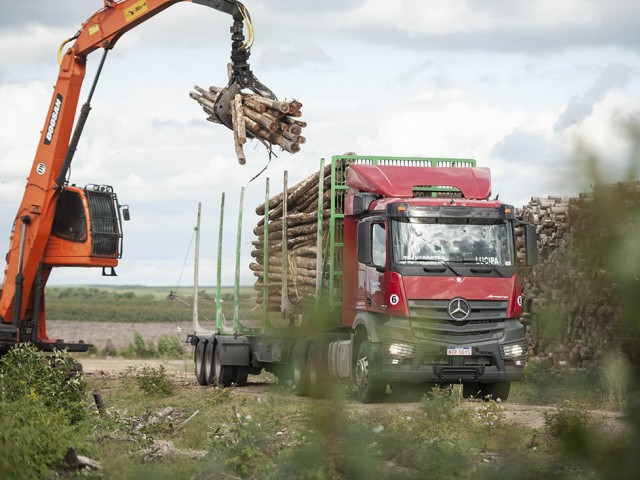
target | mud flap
[{"x": 234, "y": 351}]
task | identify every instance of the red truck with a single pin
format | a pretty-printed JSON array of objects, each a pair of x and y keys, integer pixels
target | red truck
[{"x": 419, "y": 288}]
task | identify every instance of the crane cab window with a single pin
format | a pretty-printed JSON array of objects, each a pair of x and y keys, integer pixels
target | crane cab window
[{"x": 70, "y": 221}]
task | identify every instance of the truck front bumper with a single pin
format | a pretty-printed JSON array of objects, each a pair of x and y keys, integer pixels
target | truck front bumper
[{"x": 402, "y": 357}]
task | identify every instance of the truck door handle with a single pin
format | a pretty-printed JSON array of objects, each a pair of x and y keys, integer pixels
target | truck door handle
[{"x": 369, "y": 302}]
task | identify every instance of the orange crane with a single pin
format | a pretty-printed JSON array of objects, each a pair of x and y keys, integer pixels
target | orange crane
[{"x": 60, "y": 225}]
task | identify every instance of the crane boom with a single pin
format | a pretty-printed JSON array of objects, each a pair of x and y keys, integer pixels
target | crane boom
[{"x": 33, "y": 250}]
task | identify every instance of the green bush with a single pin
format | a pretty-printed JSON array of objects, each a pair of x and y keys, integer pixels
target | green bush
[
  {"x": 33, "y": 438},
  {"x": 54, "y": 380},
  {"x": 41, "y": 409},
  {"x": 571, "y": 424},
  {"x": 151, "y": 380},
  {"x": 170, "y": 347}
]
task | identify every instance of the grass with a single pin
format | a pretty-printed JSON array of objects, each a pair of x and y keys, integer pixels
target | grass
[
  {"x": 138, "y": 304},
  {"x": 267, "y": 432}
]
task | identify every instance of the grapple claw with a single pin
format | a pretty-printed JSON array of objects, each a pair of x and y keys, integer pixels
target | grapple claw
[{"x": 241, "y": 76}]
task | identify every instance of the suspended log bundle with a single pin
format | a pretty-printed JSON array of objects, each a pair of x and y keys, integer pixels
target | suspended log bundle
[
  {"x": 269, "y": 121},
  {"x": 577, "y": 312},
  {"x": 300, "y": 262}
]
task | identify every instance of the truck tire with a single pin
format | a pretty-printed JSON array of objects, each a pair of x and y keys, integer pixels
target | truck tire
[
  {"x": 240, "y": 375},
  {"x": 208, "y": 363},
  {"x": 223, "y": 374},
  {"x": 498, "y": 391},
  {"x": 471, "y": 390},
  {"x": 410, "y": 392},
  {"x": 370, "y": 386},
  {"x": 318, "y": 374},
  {"x": 299, "y": 369},
  {"x": 198, "y": 360}
]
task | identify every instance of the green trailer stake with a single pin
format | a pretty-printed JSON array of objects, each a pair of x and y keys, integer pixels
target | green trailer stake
[{"x": 416, "y": 284}]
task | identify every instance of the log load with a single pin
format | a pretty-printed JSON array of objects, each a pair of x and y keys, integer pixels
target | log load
[
  {"x": 269, "y": 121},
  {"x": 301, "y": 232},
  {"x": 577, "y": 313}
]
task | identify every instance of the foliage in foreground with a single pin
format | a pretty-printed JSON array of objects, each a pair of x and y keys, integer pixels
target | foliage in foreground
[{"x": 42, "y": 411}]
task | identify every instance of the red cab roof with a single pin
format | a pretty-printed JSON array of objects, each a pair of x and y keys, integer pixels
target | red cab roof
[{"x": 399, "y": 181}]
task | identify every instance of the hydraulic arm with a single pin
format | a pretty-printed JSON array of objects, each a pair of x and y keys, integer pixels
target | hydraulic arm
[{"x": 48, "y": 230}]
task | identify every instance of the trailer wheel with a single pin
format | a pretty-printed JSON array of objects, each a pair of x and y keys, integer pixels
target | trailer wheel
[
  {"x": 370, "y": 387},
  {"x": 208, "y": 362},
  {"x": 495, "y": 391},
  {"x": 223, "y": 374},
  {"x": 300, "y": 371},
  {"x": 318, "y": 374},
  {"x": 240, "y": 375},
  {"x": 198, "y": 359}
]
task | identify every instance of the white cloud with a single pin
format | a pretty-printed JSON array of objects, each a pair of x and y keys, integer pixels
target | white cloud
[
  {"x": 605, "y": 136},
  {"x": 434, "y": 83},
  {"x": 433, "y": 17}
]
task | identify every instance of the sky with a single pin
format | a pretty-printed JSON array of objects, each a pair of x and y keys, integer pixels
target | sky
[{"x": 525, "y": 88}]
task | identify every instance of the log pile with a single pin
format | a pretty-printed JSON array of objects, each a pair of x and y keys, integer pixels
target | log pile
[
  {"x": 269, "y": 121},
  {"x": 301, "y": 233},
  {"x": 577, "y": 313}
]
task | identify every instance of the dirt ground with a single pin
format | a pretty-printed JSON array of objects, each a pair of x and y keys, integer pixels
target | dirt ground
[
  {"x": 182, "y": 372},
  {"x": 119, "y": 334}
]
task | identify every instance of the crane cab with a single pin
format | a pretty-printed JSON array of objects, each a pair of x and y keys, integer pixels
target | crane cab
[{"x": 87, "y": 228}]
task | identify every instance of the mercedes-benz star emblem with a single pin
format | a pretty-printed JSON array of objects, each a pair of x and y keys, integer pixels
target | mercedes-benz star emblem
[{"x": 459, "y": 309}]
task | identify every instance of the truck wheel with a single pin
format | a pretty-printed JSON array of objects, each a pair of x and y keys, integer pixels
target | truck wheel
[
  {"x": 198, "y": 359},
  {"x": 410, "y": 392},
  {"x": 208, "y": 362},
  {"x": 223, "y": 374},
  {"x": 370, "y": 387},
  {"x": 318, "y": 374},
  {"x": 240, "y": 375},
  {"x": 495, "y": 391},
  {"x": 471, "y": 390},
  {"x": 300, "y": 371}
]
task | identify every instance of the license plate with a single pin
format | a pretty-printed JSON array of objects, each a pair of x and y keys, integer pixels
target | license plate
[{"x": 458, "y": 350}]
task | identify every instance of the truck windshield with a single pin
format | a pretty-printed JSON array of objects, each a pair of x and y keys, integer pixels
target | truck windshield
[{"x": 451, "y": 240}]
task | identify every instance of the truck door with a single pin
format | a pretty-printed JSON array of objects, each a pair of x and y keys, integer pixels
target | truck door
[{"x": 375, "y": 273}]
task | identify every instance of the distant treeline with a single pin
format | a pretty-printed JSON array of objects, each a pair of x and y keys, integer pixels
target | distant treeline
[{"x": 113, "y": 305}]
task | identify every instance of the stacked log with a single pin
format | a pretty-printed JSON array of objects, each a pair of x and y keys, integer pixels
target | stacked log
[
  {"x": 269, "y": 121},
  {"x": 301, "y": 240},
  {"x": 577, "y": 313},
  {"x": 551, "y": 217}
]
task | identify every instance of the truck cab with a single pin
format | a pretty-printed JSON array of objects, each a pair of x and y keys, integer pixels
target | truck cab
[{"x": 429, "y": 280}]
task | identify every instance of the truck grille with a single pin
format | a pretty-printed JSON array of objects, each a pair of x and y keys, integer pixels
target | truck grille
[{"x": 430, "y": 320}]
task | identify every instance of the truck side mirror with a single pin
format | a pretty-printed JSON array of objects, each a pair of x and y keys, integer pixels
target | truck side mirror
[
  {"x": 125, "y": 213},
  {"x": 531, "y": 245},
  {"x": 364, "y": 242}
]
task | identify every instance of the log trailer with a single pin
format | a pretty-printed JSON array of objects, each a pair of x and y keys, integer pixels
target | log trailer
[
  {"x": 61, "y": 225},
  {"x": 417, "y": 286}
]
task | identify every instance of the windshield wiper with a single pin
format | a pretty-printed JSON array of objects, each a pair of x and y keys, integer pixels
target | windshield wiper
[
  {"x": 478, "y": 262},
  {"x": 433, "y": 260}
]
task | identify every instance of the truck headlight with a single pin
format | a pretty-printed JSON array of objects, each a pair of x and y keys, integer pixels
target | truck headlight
[
  {"x": 515, "y": 350},
  {"x": 402, "y": 350}
]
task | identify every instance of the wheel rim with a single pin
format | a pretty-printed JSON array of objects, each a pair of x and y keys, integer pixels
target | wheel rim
[
  {"x": 297, "y": 373},
  {"x": 362, "y": 372},
  {"x": 313, "y": 373},
  {"x": 198, "y": 359},
  {"x": 208, "y": 360},
  {"x": 216, "y": 364}
]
